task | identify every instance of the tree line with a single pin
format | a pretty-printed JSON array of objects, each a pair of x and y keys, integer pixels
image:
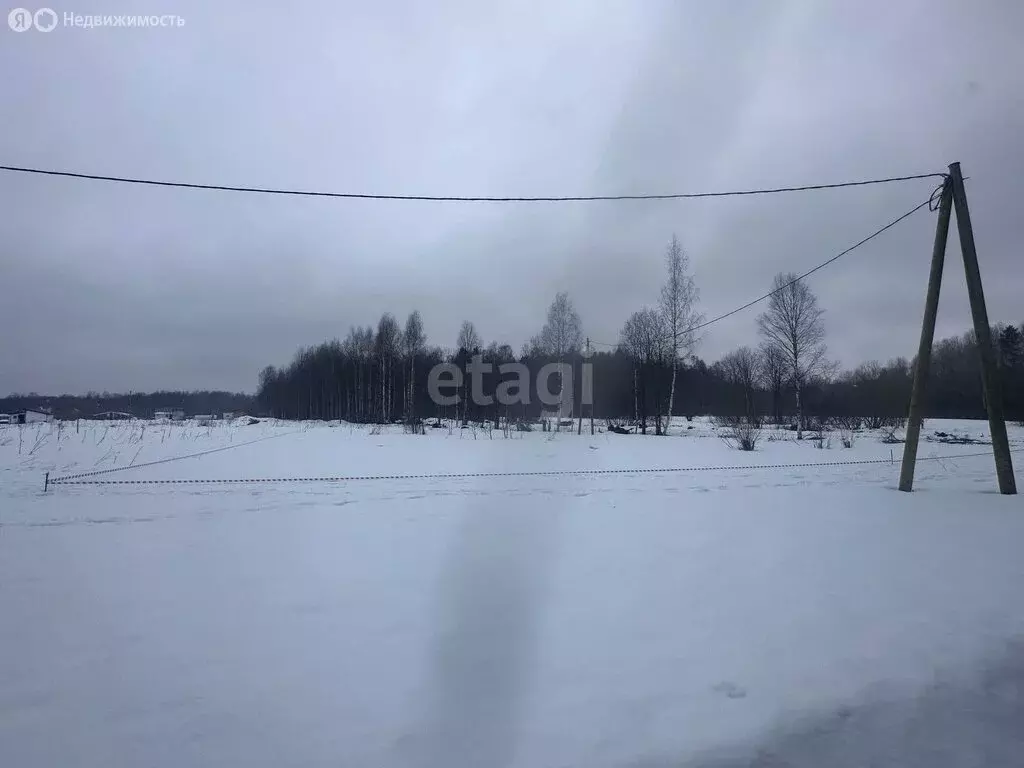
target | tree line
[
  {"x": 381, "y": 374},
  {"x": 138, "y": 404}
]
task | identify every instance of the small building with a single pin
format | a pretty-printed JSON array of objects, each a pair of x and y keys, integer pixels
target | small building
[
  {"x": 114, "y": 416},
  {"x": 8, "y": 418},
  {"x": 29, "y": 416},
  {"x": 169, "y": 414},
  {"x": 205, "y": 419}
]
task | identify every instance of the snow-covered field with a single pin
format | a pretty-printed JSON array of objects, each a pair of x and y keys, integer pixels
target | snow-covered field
[{"x": 604, "y": 619}]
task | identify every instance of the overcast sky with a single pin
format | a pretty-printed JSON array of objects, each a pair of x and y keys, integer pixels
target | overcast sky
[{"x": 118, "y": 287}]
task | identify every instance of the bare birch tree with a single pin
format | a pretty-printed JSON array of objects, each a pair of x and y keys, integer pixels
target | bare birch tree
[
  {"x": 497, "y": 355},
  {"x": 359, "y": 345},
  {"x": 679, "y": 297},
  {"x": 793, "y": 325},
  {"x": 561, "y": 335},
  {"x": 387, "y": 343},
  {"x": 741, "y": 368},
  {"x": 644, "y": 339},
  {"x": 469, "y": 341},
  {"x": 773, "y": 375},
  {"x": 413, "y": 341}
]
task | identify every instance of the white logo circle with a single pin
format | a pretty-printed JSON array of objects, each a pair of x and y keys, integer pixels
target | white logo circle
[
  {"x": 20, "y": 20},
  {"x": 45, "y": 19}
]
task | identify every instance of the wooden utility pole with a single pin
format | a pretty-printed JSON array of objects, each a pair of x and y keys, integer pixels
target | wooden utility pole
[
  {"x": 983, "y": 334},
  {"x": 591, "y": 390},
  {"x": 586, "y": 392},
  {"x": 924, "y": 350},
  {"x": 953, "y": 191},
  {"x": 583, "y": 387},
  {"x": 579, "y": 424}
]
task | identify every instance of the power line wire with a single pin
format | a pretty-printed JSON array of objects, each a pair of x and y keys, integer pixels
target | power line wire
[
  {"x": 855, "y": 246},
  {"x": 462, "y": 199},
  {"x": 590, "y": 198}
]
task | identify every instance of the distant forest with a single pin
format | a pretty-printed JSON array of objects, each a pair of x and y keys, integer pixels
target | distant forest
[
  {"x": 343, "y": 380},
  {"x": 142, "y": 405},
  {"x": 652, "y": 370},
  {"x": 354, "y": 380},
  {"x": 379, "y": 374}
]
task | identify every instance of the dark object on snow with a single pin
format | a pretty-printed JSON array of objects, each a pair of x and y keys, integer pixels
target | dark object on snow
[
  {"x": 253, "y": 421},
  {"x": 690, "y": 427},
  {"x": 522, "y": 426},
  {"x": 618, "y": 430},
  {"x": 437, "y": 425},
  {"x": 944, "y": 437}
]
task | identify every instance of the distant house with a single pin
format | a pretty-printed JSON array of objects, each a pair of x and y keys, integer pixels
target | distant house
[
  {"x": 114, "y": 416},
  {"x": 29, "y": 416},
  {"x": 205, "y": 419},
  {"x": 169, "y": 414}
]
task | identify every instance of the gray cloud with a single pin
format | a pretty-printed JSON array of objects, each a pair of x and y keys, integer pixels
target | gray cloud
[{"x": 118, "y": 287}]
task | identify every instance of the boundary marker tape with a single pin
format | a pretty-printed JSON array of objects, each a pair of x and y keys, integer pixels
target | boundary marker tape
[
  {"x": 73, "y": 479},
  {"x": 67, "y": 478}
]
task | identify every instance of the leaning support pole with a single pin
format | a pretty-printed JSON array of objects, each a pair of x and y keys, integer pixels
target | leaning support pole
[
  {"x": 46, "y": 483},
  {"x": 924, "y": 350},
  {"x": 983, "y": 336}
]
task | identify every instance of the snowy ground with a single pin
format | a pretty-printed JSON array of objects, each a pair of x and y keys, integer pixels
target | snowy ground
[{"x": 620, "y": 619}]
